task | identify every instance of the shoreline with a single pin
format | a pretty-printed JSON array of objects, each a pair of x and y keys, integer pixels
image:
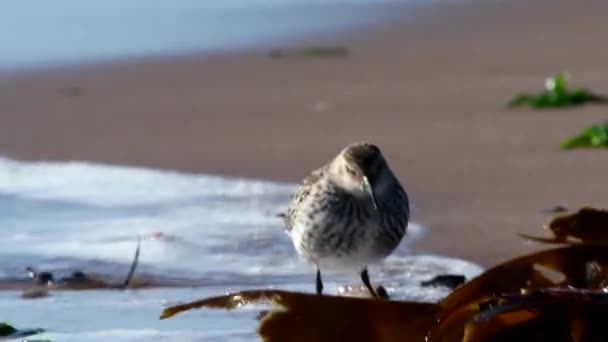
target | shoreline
[{"x": 430, "y": 91}]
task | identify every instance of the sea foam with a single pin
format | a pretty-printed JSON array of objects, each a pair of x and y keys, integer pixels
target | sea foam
[{"x": 68, "y": 215}]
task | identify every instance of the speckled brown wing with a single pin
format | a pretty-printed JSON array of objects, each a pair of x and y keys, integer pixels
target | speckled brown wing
[{"x": 301, "y": 193}]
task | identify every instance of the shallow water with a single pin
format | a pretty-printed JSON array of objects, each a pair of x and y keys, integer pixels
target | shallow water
[
  {"x": 60, "y": 32},
  {"x": 62, "y": 216}
]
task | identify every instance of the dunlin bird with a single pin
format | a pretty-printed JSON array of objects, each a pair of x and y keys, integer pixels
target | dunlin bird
[{"x": 348, "y": 214}]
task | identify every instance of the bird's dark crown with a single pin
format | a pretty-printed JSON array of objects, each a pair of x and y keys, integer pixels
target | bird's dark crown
[{"x": 363, "y": 154}]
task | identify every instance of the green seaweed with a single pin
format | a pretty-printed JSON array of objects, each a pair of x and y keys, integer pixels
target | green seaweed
[
  {"x": 311, "y": 52},
  {"x": 7, "y": 331},
  {"x": 325, "y": 51},
  {"x": 557, "y": 95},
  {"x": 595, "y": 136}
]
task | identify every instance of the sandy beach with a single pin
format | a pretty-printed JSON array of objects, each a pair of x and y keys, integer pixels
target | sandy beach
[{"x": 429, "y": 89}]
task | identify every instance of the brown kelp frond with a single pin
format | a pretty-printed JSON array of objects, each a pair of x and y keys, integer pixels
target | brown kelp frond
[
  {"x": 133, "y": 267},
  {"x": 229, "y": 301},
  {"x": 310, "y": 317},
  {"x": 448, "y": 327},
  {"x": 553, "y": 314},
  {"x": 134, "y": 264},
  {"x": 590, "y": 225},
  {"x": 552, "y": 295},
  {"x": 500, "y": 322},
  {"x": 331, "y": 319},
  {"x": 587, "y": 225},
  {"x": 571, "y": 263},
  {"x": 553, "y": 239}
]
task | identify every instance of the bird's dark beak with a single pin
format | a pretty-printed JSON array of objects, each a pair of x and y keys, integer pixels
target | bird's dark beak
[{"x": 370, "y": 191}]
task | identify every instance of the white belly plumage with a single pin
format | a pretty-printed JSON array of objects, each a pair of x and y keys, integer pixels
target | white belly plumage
[
  {"x": 339, "y": 232},
  {"x": 330, "y": 246}
]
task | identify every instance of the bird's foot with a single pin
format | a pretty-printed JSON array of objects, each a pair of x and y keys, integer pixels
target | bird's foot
[{"x": 361, "y": 291}]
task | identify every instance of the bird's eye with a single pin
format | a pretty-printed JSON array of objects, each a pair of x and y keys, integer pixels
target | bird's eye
[{"x": 350, "y": 171}]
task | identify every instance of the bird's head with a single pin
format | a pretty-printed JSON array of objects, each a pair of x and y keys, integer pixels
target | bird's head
[{"x": 361, "y": 169}]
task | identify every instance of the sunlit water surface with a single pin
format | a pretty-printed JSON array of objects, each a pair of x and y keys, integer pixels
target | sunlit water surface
[{"x": 65, "y": 32}]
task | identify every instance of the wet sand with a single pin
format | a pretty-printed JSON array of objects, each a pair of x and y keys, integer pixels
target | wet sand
[{"x": 429, "y": 89}]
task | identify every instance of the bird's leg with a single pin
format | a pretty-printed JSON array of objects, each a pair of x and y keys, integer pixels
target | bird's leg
[
  {"x": 319, "y": 282},
  {"x": 365, "y": 279}
]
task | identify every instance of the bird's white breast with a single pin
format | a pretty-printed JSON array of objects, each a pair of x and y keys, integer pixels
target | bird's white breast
[{"x": 361, "y": 253}]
